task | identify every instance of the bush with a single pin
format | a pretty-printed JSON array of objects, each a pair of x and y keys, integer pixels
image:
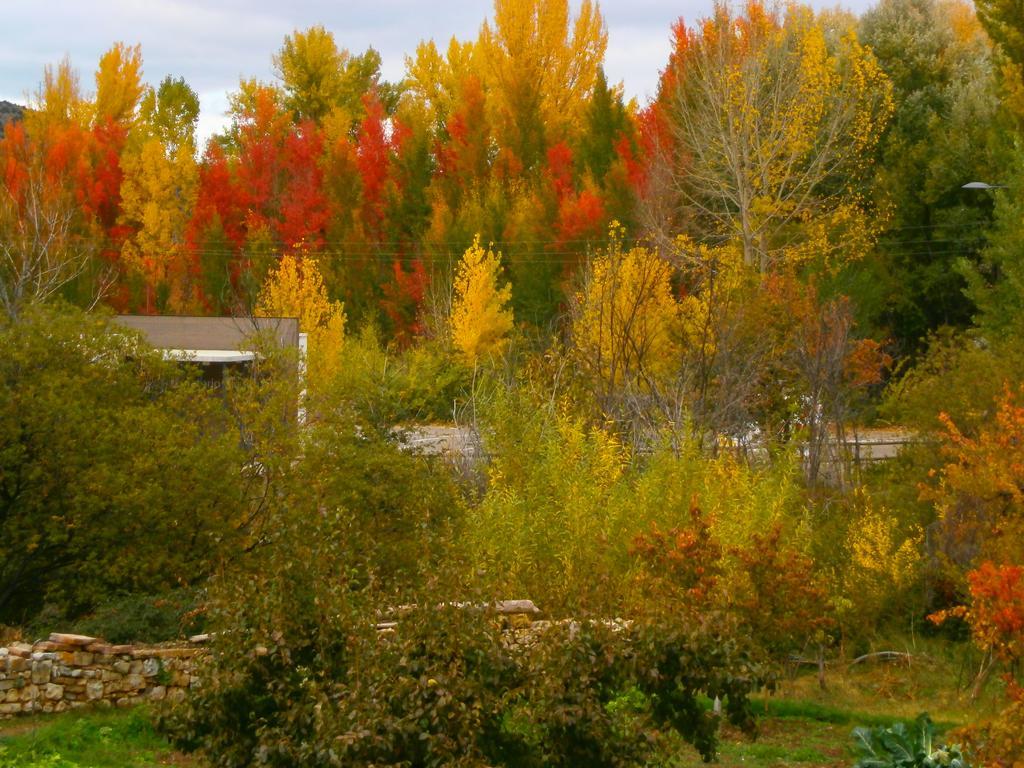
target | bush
[
  {"x": 386, "y": 386},
  {"x": 401, "y": 509},
  {"x": 117, "y": 471},
  {"x": 566, "y": 500},
  {"x": 299, "y": 675},
  {"x": 141, "y": 618},
  {"x": 448, "y": 688},
  {"x": 435, "y": 693},
  {"x": 293, "y": 621}
]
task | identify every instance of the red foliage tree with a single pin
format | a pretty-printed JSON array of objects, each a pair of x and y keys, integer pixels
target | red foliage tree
[
  {"x": 373, "y": 158},
  {"x": 304, "y": 209}
]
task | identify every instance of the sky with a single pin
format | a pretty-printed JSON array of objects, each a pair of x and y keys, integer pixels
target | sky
[{"x": 213, "y": 43}]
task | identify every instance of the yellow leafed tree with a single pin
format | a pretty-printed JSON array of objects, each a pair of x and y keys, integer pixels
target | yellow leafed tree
[
  {"x": 318, "y": 77},
  {"x": 296, "y": 289},
  {"x": 884, "y": 561},
  {"x": 157, "y": 196},
  {"x": 311, "y": 67},
  {"x": 58, "y": 101},
  {"x": 480, "y": 319},
  {"x": 626, "y": 329},
  {"x": 118, "y": 84},
  {"x": 435, "y": 79},
  {"x": 714, "y": 275},
  {"x": 540, "y": 67},
  {"x": 772, "y": 127}
]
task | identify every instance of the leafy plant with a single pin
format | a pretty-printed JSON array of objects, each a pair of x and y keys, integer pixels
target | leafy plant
[{"x": 897, "y": 747}]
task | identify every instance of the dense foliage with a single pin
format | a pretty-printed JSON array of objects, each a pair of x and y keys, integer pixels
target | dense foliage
[
  {"x": 661, "y": 328},
  {"x": 117, "y": 472}
]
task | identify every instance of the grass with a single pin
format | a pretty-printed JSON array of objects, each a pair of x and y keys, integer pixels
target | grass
[
  {"x": 86, "y": 739},
  {"x": 794, "y": 733},
  {"x": 803, "y": 726}
]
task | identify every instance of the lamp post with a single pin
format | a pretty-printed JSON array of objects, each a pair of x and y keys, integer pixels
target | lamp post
[{"x": 982, "y": 185}]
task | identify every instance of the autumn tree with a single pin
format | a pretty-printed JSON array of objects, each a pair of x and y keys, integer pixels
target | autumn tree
[
  {"x": 171, "y": 112},
  {"x": 373, "y": 158},
  {"x": 118, "y": 85},
  {"x": 158, "y": 195},
  {"x": 480, "y": 319},
  {"x": 995, "y": 615},
  {"x": 539, "y": 66},
  {"x": 304, "y": 209},
  {"x": 99, "y": 197},
  {"x": 436, "y": 79},
  {"x": 606, "y": 147},
  {"x": 39, "y": 254},
  {"x": 625, "y": 323},
  {"x": 770, "y": 129},
  {"x": 464, "y": 193},
  {"x": 58, "y": 102},
  {"x": 781, "y": 598},
  {"x": 318, "y": 77},
  {"x": 979, "y": 492},
  {"x": 296, "y": 289},
  {"x": 215, "y": 231},
  {"x": 256, "y": 185},
  {"x": 48, "y": 185},
  {"x": 882, "y": 562}
]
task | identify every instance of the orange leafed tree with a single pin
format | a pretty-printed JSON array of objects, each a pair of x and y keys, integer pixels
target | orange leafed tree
[
  {"x": 980, "y": 489},
  {"x": 980, "y": 500},
  {"x": 996, "y": 618}
]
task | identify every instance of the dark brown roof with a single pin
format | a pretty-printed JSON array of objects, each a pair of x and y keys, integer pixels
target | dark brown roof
[{"x": 233, "y": 333}]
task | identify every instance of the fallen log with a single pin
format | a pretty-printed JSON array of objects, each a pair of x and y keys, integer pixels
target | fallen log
[{"x": 883, "y": 656}]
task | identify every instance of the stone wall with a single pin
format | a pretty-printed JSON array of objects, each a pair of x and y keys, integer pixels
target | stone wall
[{"x": 69, "y": 671}]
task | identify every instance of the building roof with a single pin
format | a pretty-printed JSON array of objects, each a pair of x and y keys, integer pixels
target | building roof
[{"x": 211, "y": 334}]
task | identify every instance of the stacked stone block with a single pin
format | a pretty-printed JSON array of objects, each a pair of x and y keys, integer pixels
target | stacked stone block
[{"x": 69, "y": 671}]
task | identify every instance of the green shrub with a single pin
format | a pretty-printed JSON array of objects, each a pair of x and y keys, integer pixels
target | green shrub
[
  {"x": 118, "y": 472},
  {"x": 143, "y": 618},
  {"x": 400, "y": 508},
  {"x": 447, "y": 688},
  {"x": 299, "y": 675},
  {"x": 435, "y": 693},
  {"x": 386, "y": 386}
]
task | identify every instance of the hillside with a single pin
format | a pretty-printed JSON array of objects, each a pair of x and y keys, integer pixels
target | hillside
[{"x": 9, "y": 113}]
